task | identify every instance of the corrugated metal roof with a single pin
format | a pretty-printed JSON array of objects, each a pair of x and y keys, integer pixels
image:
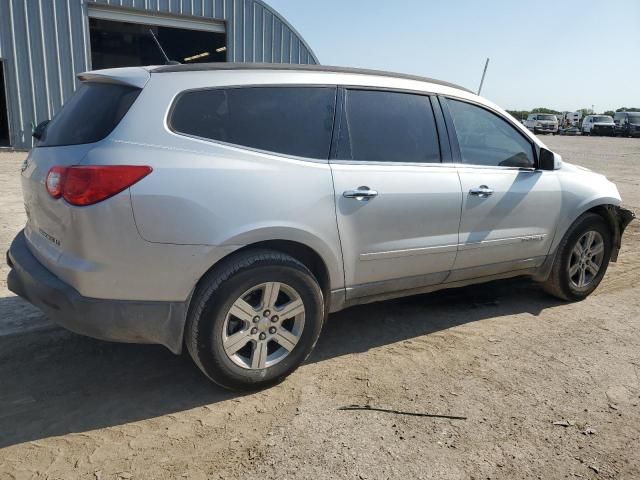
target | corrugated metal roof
[{"x": 44, "y": 44}]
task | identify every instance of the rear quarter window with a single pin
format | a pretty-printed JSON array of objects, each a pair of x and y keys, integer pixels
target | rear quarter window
[
  {"x": 294, "y": 121},
  {"x": 90, "y": 115}
]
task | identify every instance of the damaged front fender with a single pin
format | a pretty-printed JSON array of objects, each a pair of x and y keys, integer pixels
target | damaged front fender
[{"x": 619, "y": 219}]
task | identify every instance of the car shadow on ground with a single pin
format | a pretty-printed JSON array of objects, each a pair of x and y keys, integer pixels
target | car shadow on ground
[{"x": 55, "y": 382}]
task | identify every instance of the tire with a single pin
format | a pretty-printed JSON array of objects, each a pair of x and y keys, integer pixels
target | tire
[
  {"x": 211, "y": 323},
  {"x": 561, "y": 283}
]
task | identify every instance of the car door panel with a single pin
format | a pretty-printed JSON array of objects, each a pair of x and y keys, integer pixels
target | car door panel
[
  {"x": 516, "y": 222},
  {"x": 510, "y": 210},
  {"x": 409, "y": 229},
  {"x": 405, "y": 233}
]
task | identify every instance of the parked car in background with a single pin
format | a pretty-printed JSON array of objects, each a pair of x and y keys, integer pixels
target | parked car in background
[
  {"x": 542, "y": 123},
  {"x": 598, "y": 125},
  {"x": 572, "y": 130},
  {"x": 229, "y": 208},
  {"x": 627, "y": 124}
]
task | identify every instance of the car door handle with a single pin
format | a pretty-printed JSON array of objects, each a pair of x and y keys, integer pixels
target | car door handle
[
  {"x": 362, "y": 194},
  {"x": 482, "y": 191}
]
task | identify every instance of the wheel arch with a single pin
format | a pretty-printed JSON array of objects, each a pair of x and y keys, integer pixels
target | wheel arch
[
  {"x": 616, "y": 217},
  {"x": 314, "y": 254},
  {"x": 301, "y": 252}
]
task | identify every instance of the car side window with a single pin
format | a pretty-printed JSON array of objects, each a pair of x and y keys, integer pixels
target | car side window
[
  {"x": 289, "y": 120},
  {"x": 486, "y": 139},
  {"x": 382, "y": 126}
]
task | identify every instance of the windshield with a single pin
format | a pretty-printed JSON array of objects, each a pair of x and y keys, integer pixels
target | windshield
[
  {"x": 635, "y": 118},
  {"x": 547, "y": 117},
  {"x": 603, "y": 119}
]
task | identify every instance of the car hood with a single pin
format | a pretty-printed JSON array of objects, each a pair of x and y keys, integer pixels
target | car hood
[
  {"x": 570, "y": 167},
  {"x": 593, "y": 180},
  {"x": 603, "y": 124}
]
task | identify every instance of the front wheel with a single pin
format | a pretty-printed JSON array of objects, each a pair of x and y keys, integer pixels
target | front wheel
[
  {"x": 581, "y": 260},
  {"x": 254, "y": 320}
]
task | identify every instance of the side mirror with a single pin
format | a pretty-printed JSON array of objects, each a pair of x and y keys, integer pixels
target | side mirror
[
  {"x": 547, "y": 160},
  {"x": 38, "y": 132}
]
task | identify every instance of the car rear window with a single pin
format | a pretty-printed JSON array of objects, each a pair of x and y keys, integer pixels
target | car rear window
[
  {"x": 289, "y": 120},
  {"x": 380, "y": 126},
  {"x": 90, "y": 115}
]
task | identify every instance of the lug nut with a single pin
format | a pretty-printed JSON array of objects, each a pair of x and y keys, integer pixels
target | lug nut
[
  {"x": 275, "y": 318},
  {"x": 256, "y": 319},
  {"x": 263, "y": 336},
  {"x": 254, "y": 330},
  {"x": 272, "y": 330},
  {"x": 266, "y": 313}
]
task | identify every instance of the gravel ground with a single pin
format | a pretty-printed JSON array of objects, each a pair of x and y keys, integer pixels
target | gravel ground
[{"x": 544, "y": 389}]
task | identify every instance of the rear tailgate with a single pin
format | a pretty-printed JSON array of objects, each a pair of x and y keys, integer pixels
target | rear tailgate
[
  {"x": 89, "y": 116},
  {"x": 49, "y": 221}
]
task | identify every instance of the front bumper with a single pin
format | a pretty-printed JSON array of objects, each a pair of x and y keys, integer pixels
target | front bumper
[
  {"x": 115, "y": 320},
  {"x": 604, "y": 131},
  {"x": 545, "y": 129}
]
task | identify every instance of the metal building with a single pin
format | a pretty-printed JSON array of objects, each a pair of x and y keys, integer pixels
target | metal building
[{"x": 44, "y": 44}]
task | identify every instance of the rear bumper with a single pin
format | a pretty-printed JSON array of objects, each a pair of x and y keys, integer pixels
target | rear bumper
[{"x": 115, "y": 320}]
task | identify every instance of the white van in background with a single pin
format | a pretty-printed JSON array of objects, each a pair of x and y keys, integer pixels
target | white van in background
[{"x": 598, "y": 125}]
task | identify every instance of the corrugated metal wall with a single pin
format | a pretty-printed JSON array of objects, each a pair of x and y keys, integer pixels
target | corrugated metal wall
[{"x": 45, "y": 43}]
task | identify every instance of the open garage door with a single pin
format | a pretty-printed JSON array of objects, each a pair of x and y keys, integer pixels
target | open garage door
[
  {"x": 122, "y": 38},
  {"x": 4, "y": 120}
]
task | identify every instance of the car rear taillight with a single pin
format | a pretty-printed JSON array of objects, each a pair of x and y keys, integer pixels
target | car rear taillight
[
  {"x": 81, "y": 186},
  {"x": 55, "y": 179}
]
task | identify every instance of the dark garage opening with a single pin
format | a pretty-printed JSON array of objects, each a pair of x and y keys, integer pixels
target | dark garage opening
[
  {"x": 4, "y": 120},
  {"x": 124, "y": 44}
]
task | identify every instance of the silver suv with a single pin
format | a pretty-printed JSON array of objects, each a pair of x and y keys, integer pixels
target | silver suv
[{"x": 230, "y": 208}]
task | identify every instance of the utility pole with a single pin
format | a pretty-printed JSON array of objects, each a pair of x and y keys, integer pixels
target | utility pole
[{"x": 486, "y": 65}]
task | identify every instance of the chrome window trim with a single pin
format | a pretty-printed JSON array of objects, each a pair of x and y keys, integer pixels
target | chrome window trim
[{"x": 390, "y": 163}]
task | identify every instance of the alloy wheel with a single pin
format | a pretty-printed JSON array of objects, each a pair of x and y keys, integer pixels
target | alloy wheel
[
  {"x": 263, "y": 325},
  {"x": 586, "y": 258}
]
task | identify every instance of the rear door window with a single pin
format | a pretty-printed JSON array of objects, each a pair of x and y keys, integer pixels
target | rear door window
[
  {"x": 90, "y": 115},
  {"x": 487, "y": 139},
  {"x": 289, "y": 120},
  {"x": 381, "y": 126}
]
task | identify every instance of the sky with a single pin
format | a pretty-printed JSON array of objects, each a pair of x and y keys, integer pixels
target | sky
[{"x": 564, "y": 55}]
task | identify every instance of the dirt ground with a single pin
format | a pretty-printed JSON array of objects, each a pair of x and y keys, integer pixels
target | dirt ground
[{"x": 505, "y": 357}]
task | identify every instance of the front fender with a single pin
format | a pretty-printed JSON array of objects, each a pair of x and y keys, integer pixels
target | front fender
[
  {"x": 616, "y": 216},
  {"x": 619, "y": 218}
]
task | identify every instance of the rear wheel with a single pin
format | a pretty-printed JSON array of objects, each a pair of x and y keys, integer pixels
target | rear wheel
[
  {"x": 254, "y": 320},
  {"x": 582, "y": 259}
]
